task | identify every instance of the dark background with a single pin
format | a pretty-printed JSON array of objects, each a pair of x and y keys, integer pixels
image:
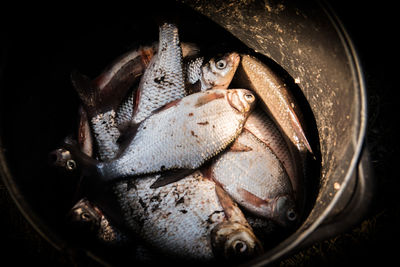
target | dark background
[{"x": 373, "y": 29}]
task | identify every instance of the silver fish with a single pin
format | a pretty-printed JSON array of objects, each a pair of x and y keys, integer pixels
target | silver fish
[
  {"x": 255, "y": 178},
  {"x": 277, "y": 98},
  {"x": 163, "y": 80},
  {"x": 184, "y": 134},
  {"x": 186, "y": 219}
]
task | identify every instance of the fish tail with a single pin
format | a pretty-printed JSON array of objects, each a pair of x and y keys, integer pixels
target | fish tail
[
  {"x": 87, "y": 93},
  {"x": 299, "y": 131}
]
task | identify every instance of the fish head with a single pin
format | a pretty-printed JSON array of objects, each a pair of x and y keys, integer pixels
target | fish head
[
  {"x": 234, "y": 241},
  {"x": 85, "y": 216},
  {"x": 218, "y": 72},
  {"x": 62, "y": 158},
  {"x": 241, "y": 99},
  {"x": 285, "y": 211}
]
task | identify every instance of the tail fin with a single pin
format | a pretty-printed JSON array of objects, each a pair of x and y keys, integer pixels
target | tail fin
[{"x": 88, "y": 95}]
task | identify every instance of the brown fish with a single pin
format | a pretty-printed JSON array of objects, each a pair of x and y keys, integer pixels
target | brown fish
[{"x": 277, "y": 99}]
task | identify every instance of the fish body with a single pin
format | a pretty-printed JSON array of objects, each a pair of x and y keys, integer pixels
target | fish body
[
  {"x": 181, "y": 218},
  {"x": 264, "y": 129},
  {"x": 254, "y": 177},
  {"x": 184, "y": 134},
  {"x": 163, "y": 80},
  {"x": 277, "y": 98}
]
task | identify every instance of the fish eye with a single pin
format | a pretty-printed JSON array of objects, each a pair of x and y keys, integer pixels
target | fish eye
[
  {"x": 291, "y": 215},
  {"x": 221, "y": 64},
  {"x": 85, "y": 216},
  {"x": 71, "y": 164},
  {"x": 249, "y": 97},
  {"x": 240, "y": 247}
]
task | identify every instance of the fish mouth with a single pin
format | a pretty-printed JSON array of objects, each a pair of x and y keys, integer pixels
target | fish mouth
[
  {"x": 241, "y": 100},
  {"x": 235, "y": 59},
  {"x": 234, "y": 241},
  {"x": 284, "y": 211}
]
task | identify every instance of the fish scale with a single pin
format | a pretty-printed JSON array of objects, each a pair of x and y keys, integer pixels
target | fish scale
[
  {"x": 255, "y": 178},
  {"x": 262, "y": 127},
  {"x": 163, "y": 80},
  {"x": 106, "y": 134}
]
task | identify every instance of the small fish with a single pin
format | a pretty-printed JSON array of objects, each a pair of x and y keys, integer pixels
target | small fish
[
  {"x": 163, "y": 80},
  {"x": 277, "y": 98},
  {"x": 255, "y": 178},
  {"x": 186, "y": 219}
]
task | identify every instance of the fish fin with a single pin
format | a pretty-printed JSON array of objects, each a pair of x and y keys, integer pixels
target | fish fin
[
  {"x": 171, "y": 176},
  {"x": 192, "y": 88},
  {"x": 112, "y": 94},
  {"x": 85, "y": 138},
  {"x": 231, "y": 209},
  {"x": 128, "y": 131},
  {"x": 86, "y": 91},
  {"x": 167, "y": 106},
  {"x": 239, "y": 147},
  {"x": 250, "y": 198},
  {"x": 299, "y": 130}
]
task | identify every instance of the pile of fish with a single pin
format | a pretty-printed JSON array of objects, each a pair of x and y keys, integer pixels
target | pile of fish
[{"x": 173, "y": 157}]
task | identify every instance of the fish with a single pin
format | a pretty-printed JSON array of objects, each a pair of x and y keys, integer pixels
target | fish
[
  {"x": 186, "y": 219},
  {"x": 163, "y": 81},
  {"x": 254, "y": 177},
  {"x": 126, "y": 108},
  {"x": 191, "y": 130},
  {"x": 277, "y": 98}
]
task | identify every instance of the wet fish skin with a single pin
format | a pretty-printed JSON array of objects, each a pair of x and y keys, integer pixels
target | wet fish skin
[
  {"x": 255, "y": 178},
  {"x": 163, "y": 80},
  {"x": 203, "y": 125},
  {"x": 178, "y": 219},
  {"x": 277, "y": 98}
]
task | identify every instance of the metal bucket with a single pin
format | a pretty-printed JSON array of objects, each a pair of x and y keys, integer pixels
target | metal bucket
[{"x": 304, "y": 39}]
